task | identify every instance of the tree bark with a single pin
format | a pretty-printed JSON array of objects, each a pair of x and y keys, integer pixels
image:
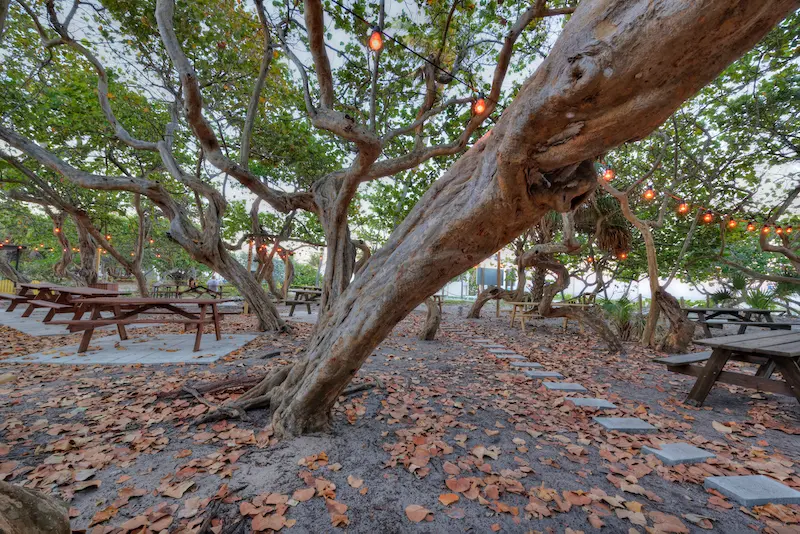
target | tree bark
[
  {"x": 434, "y": 317},
  {"x": 86, "y": 274},
  {"x": 490, "y": 293},
  {"x": 8, "y": 270},
  {"x": 681, "y": 329},
  {"x": 25, "y": 511},
  {"x": 61, "y": 267},
  {"x": 250, "y": 289}
]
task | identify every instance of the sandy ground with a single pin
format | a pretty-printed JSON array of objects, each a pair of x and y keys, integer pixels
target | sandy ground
[{"x": 101, "y": 439}]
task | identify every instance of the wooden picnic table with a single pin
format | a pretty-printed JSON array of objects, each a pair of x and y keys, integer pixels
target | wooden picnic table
[
  {"x": 26, "y": 292},
  {"x": 773, "y": 350},
  {"x": 126, "y": 310},
  {"x": 708, "y": 317},
  {"x": 303, "y": 297},
  {"x": 61, "y": 299}
]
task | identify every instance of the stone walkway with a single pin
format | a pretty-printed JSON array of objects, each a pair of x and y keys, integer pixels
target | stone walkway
[
  {"x": 152, "y": 349},
  {"x": 746, "y": 490}
]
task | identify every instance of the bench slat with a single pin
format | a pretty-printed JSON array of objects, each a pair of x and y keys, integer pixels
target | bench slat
[
  {"x": 49, "y": 304},
  {"x": 106, "y": 322},
  {"x": 9, "y": 296},
  {"x": 684, "y": 359}
]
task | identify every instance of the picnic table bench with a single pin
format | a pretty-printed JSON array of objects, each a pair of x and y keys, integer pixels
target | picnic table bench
[
  {"x": 61, "y": 299},
  {"x": 529, "y": 310},
  {"x": 126, "y": 310},
  {"x": 771, "y": 350},
  {"x": 743, "y": 317}
]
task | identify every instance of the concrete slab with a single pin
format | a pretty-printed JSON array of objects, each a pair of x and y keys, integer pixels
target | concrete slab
[
  {"x": 161, "y": 348},
  {"x": 631, "y": 425},
  {"x": 543, "y": 374},
  {"x": 753, "y": 490},
  {"x": 509, "y": 356},
  {"x": 501, "y": 351},
  {"x": 679, "y": 453},
  {"x": 592, "y": 403},
  {"x": 493, "y": 346},
  {"x": 532, "y": 365},
  {"x": 482, "y": 341},
  {"x": 33, "y": 325},
  {"x": 563, "y": 386}
]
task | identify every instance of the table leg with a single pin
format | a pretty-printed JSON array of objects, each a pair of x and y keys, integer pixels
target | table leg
[
  {"x": 215, "y": 311},
  {"x": 513, "y": 316},
  {"x": 89, "y": 332},
  {"x": 746, "y": 319},
  {"x": 711, "y": 371},
  {"x": 701, "y": 317},
  {"x": 791, "y": 374},
  {"x": 765, "y": 370},
  {"x": 123, "y": 334},
  {"x": 200, "y": 326},
  {"x": 767, "y": 317},
  {"x": 566, "y": 323}
]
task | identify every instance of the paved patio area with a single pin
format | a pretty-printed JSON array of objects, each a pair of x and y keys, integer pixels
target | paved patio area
[{"x": 162, "y": 348}]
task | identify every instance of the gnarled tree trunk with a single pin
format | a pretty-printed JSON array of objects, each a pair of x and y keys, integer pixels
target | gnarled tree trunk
[
  {"x": 86, "y": 274},
  {"x": 8, "y": 270},
  {"x": 26, "y": 511},
  {"x": 681, "y": 329},
  {"x": 490, "y": 293},
  {"x": 434, "y": 317}
]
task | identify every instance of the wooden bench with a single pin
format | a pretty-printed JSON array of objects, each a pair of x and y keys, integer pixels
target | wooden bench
[
  {"x": 293, "y": 303},
  {"x": 90, "y": 324},
  {"x": 15, "y": 299},
  {"x": 683, "y": 364},
  {"x": 744, "y": 325},
  {"x": 53, "y": 308}
]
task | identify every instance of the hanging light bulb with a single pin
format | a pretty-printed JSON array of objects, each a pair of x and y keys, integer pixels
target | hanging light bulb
[
  {"x": 108, "y": 237},
  {"x": 608, "y": 175},
  {"x": 622, "y": 255},
  {"x": 789, "y": 229},
  {"x": 590, "y": 259},
  {"x": 131, "y": 254},
  {"x": 152, "y": 241},
  {"x": 57, "y": 230},
  {"x": 158, "y": 255},
  {"x": 683, "y": 208},
  {"x": 375, "y": 40},
  {"x": 708, "y": 217},
  {"x": 479, "y": 106},
  {"x": 732, "y": 223},
  {"x": 778, "y": 230},
  {"x": 751, "y": 227},
  {"x": 649, "y": 193},
  {"x": 765, "y": 229}
]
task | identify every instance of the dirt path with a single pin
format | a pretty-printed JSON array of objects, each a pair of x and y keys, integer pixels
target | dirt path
[{"x": 450, "y": 422}]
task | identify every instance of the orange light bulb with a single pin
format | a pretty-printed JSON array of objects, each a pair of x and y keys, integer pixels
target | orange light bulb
[
  {"x": 649, "y": 194},
  {"x": 778, "y": 230},
  {"x": 683, "y": 208},
  {"x": 375, "y": 41},
  {"x": 751, "y": 227},
  {"x": 608, "y": 175},
  {"x": 732, "y": 223},
  {"x": 479, "y": 106},
  {"x": 622, "y": 255},
  {"x": 765, "y": 229},
  {"x": 708, "y": 217},
  {"x": 788, "y": 229}
]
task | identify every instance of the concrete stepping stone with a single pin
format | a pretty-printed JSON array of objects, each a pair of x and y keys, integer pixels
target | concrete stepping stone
[
  {"x": 753, "y": 490},
  {"x": 501, "y": 351},
  {"x": 482, "y": 340},
  {"x": 679, "y": 453},
  {"x": 631, "y": 425},
  {"x": 493, "y": 346},
  {"x": 563, "y": 386},
  {"x": 534, "y": 365},
  {"x": 509, "y": 356},
  {"x": 543, "y": 374},
  {"x": 591, "y": 403}
]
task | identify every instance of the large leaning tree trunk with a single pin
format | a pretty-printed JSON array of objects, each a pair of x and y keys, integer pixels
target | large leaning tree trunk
[
  {"x": 681, "y": 329},
  {"x": 617, "y": 71},
  {"x": 86, "y": 274},
  {"x": 27, "y": 511}
]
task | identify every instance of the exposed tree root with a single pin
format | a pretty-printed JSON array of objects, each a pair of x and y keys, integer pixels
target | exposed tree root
[
  {"x": 230, "y": 383},
  {"x": 432, "y": 321}
]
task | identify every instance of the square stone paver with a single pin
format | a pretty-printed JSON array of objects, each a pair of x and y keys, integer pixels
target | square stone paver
[
  {"x": 509, "y": 356},
  {"x": 632, "y": 425},
  {"x": 493, "y": 346},
  {"x": 679, "y": 453},
  {"x": 534, "y": 365},
  {"x": 591, "y": 403},
  {"x": 753, "y": 490},
  {"x": 543, "y": 374},
  {"x": 501, "y": 351},
  {"x": 564, "y": 386},
  {"x": 482, "y": 341}
]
